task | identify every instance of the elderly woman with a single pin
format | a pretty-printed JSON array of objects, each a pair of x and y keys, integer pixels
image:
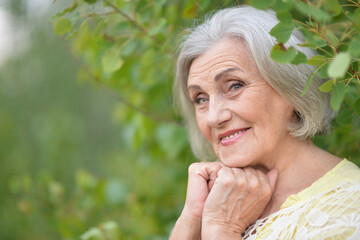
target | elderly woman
[{"x": 244, "y": 109}]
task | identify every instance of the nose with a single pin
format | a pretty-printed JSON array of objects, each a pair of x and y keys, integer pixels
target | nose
[{"x": 218, "y": 113}]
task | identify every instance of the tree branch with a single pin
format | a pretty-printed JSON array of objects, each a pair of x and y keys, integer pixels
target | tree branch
[{"x": 120, "y": 98}]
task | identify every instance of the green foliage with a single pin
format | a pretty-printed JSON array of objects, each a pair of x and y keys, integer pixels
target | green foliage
[
  {"x": 79, "y": 178},
  {"x": 128, "y": 47}
]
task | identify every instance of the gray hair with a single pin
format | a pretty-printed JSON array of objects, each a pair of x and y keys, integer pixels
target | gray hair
[{"x": 253, "y": 26}]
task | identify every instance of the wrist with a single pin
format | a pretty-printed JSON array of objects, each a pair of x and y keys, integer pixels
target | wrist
[
  {"x": 187, "y": 227},
  {"x": 220, "y": 230}
]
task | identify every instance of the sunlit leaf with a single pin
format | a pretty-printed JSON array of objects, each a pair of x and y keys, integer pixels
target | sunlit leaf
[
  {"x": 111, "y": 62},
  {"x": 339, "y": 65},
  {"x": 316, "y": 60},
  {"x": 282, "y": 56},
  {"x": 115, "y": 191},
  {"x": 62, "y": 25},
  {"x": 333, "y": 6},
  {"x": 327, "y": 86},
  {"x": 337, "y": 96},
  {"x": 92, "y": 234}
]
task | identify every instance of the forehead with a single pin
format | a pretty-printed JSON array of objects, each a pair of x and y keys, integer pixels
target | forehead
[{"x": 228, "y": 53}]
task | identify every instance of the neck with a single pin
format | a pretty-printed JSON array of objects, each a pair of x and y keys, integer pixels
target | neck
[{"x": 300, "y": 163}]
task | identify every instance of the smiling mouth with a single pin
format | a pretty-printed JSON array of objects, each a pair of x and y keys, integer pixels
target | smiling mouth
[{"x": 232, "y": 136}]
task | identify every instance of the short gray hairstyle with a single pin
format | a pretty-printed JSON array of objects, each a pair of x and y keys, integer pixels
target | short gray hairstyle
[{"x": 253, "y": 26}]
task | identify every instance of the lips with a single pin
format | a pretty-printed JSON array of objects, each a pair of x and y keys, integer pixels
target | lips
[{"x": 232, "y": 136}]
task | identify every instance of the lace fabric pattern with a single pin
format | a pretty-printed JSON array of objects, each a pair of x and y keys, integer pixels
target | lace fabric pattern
[{"x": 334, "y": 214}]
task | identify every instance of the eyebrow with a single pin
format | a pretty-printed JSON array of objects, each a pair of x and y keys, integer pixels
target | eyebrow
[
  {"x": 221, "y": 74},
  {"x": 217, "y": 77}
]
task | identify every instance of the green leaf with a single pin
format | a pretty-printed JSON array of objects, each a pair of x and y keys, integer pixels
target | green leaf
[
  {"x": 284, "y": 16},
  {"x": 281, "y": 55},
  {"x": 90, "y": 1},
  {"x": 327, "y": 86},
  {"x": 357, "y": 106},
  {"x": 262, "y": 4},
  {"x": 62, "y": 26},
  {"x": 317, "y": 60},
  {"x": 354, "y": 47},
  {"x": 311, "y": 77},
  {"x": 111, "y": 62},
  {"x": 339, "y": 65},
  {"x": 92, "y": 234},
  {"x": 115, "y": 192},
  {"x": 158, "y": 27},
  {"x": 66, "y": 10},
  {"x": 283, "y": 5},
  {"x": 337, "y": 96},
  {"x": 312, "y": 11},
  {"x": 333, "y": 6},
  {"x": 345, "y": 117},
  {"x": 282, "y": 31},
  {"x": 300, "y": 58},
  {"x": 111, "y": 230},
  {"x": 322, "y": 72},
  {"x": 356, "y": 19}
]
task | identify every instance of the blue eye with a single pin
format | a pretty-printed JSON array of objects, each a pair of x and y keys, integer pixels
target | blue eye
[
  {"x": 200, "y": 100},
  {"x": 236, "y": 86}
]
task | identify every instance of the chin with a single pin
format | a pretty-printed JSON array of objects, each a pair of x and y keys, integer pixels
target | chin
[{"x": 233, "y": 161}]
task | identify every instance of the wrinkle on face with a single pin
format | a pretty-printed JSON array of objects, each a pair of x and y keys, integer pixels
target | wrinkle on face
[{"x": 256, "y": 105}]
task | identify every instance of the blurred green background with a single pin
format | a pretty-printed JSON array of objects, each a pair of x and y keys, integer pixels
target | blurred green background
[{"x": 79, "y": 162}]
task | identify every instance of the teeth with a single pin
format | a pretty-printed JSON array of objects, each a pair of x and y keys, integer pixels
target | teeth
[{"x": 233, "y": 135}]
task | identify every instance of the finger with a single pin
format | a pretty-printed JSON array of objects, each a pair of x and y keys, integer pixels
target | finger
[{"x": 273, "y": 175}]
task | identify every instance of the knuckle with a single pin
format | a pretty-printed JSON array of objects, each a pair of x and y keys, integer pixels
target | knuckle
[{"x": 194, "y": 167}]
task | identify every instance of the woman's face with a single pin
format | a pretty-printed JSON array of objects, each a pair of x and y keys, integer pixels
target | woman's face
[{"x": 241, "y": 115}]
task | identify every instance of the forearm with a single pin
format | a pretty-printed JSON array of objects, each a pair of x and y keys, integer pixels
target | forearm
[{"x": 187, "y": 228}]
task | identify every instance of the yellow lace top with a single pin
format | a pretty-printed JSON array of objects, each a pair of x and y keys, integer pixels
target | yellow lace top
[{"x": 328, "y": 209}]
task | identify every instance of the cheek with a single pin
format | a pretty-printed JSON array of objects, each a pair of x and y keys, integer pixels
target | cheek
[{"x": 201, "y": 122}]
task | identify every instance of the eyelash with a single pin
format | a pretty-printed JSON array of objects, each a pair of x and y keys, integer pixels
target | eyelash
[{"x": 237, "y": 84}]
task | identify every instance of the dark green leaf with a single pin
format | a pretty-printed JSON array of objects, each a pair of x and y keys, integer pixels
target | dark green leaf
[
  {"x": 344, "y": 117},
  {"x": 90, "y": 1},
  {"x": 356, "y": 19},
  {"x": 354, "y": 47},
  {"x": 62, "y": 26},
  {"x": 357, "y": 106},
  {"x": 282, "y": 31},
  {"x": 284, "y": 16},
  {"x": 327, "y": 86},
  {"x": 337, "y": 96},
  {"x": 262, "y": 4},
  {"x": 282, "y": 56},
  {"x": 339, "y": 65},
  {"x": 312, "y": 11},
  {"x": 300, "y": 58}
]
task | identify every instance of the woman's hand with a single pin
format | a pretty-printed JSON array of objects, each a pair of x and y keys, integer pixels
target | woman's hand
[
  {"x": 237, "y": 199},
  {"x": 201, "y": 178}
]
